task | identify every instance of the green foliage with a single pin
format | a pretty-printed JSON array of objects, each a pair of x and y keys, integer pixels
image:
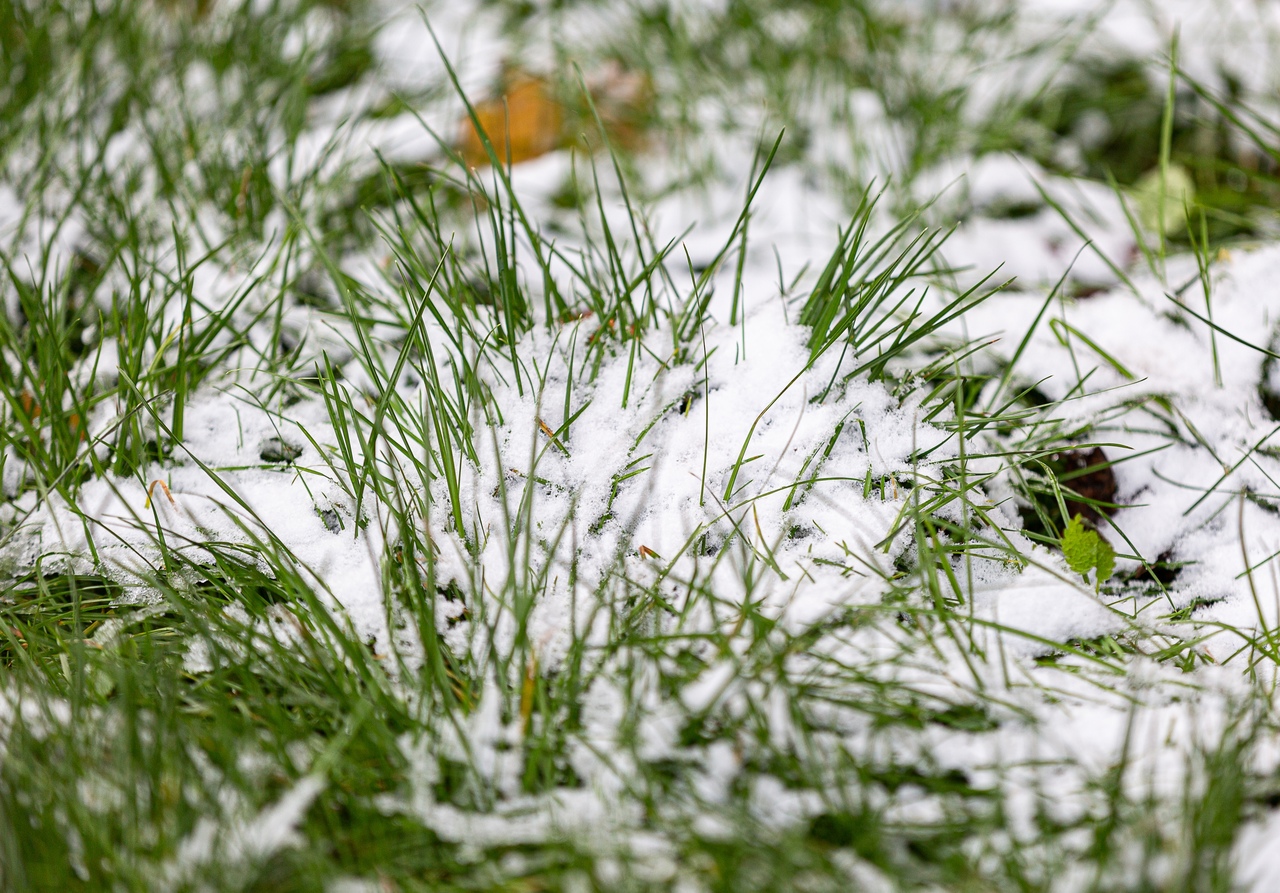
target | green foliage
[{"x": 1086, "y": 551}]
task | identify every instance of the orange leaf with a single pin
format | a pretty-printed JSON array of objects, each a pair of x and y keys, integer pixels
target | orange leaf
[
  {"x": 524, "y": 123},
  {"x": 163, "y": 486},
  {"x": 30, "y": 408}
]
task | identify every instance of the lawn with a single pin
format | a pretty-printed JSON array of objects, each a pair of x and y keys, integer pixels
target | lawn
[{"x": 555, "y": 445}]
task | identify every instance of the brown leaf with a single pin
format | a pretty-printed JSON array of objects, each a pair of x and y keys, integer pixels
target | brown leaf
[
  {"x": 197, "y": 9},
  {"x": 1088, "y": 473},
  {"x": 624, "y": 101}
]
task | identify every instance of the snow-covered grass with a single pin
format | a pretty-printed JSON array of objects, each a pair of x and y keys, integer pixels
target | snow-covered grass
[{"x": 683, "y": 508}]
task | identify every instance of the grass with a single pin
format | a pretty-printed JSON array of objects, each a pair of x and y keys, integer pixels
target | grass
[{"x": 377, "y": 524}]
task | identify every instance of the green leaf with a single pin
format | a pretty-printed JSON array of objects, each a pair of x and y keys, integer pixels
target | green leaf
[
  {"x": 1079, "y": 546},
  {"x": 1105, "y": 559},
  {"x": 1086, "y": 551}
]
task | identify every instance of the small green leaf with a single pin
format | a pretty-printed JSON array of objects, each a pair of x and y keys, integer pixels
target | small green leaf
[
  {"x": 1079, "y": 546},
  {"x": 1086, "y": 551},
  {"x": 1106, "y": 561}
]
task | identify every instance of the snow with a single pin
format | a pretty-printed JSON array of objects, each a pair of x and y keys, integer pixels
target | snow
[
  {"x": 211, "y": 845},
  {"x": 1183, "y": 474}
]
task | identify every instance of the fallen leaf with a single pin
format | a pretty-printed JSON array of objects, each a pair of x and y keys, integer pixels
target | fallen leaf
[
  {"x": 30, "y": 407},
  {"x": 522, "y": 124},
  {"x": 197, "y": 9},
  {"x": 624, "y": 101},
  {"x": 1089, "y": 474},
  {"x": 527, "y": 120}
]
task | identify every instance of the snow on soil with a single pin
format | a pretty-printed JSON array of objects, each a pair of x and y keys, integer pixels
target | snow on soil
[{"x": 1194, "y": 458}]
